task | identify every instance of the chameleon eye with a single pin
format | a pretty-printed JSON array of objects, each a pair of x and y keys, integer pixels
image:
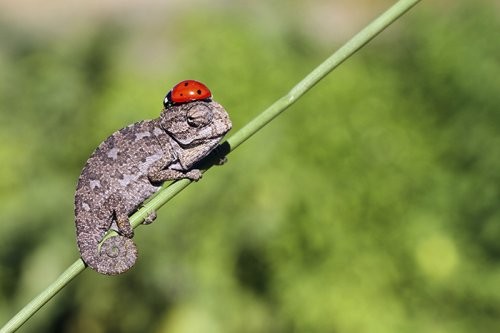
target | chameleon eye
[{"x": 198, "y": 116}]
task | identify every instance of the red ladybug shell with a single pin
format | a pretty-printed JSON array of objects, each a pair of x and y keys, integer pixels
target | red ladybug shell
[{"x": 187, "y": 91}]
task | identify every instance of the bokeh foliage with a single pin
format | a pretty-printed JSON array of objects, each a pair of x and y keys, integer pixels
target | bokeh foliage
[{"x": 371, "y": 206}]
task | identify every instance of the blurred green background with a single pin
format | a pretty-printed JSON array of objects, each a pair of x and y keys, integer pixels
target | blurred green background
[{"x": 372, "y": 205}]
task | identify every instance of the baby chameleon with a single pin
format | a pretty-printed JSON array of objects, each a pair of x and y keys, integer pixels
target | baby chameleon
[{"x": 130, "y": 165}]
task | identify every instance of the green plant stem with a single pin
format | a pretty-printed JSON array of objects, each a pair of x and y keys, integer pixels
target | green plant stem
[
  {"x": 347, "y": 50},
  {"x": 36, "y": 303},
  {"x": 168, "y": 192}
]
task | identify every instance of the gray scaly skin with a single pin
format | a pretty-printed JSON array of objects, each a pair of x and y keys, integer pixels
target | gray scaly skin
[{"x": 129, "y": 166}]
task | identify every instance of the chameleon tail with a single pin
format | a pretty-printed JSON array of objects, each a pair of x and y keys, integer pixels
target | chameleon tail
[{"x": 117, "y": 254}]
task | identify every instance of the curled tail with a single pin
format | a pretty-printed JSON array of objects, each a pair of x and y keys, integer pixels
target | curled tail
[{"x": 116, "y": 255}]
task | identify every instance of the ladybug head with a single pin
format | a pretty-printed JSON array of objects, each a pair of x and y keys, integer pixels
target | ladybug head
[{"x": 167, "y": 101}]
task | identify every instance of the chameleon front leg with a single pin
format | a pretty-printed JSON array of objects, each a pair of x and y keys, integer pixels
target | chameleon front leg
[
  {"x": 150, "y": 218},
  {"x": 159, "y": 172}
]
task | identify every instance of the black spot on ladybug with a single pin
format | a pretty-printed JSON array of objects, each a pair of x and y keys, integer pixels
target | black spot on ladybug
[
  {"x": 198, "y": 92},
  {"x": 186, "y": 84}
]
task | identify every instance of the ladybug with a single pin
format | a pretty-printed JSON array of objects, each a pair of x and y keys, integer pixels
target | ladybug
[{"x": 187, "y": 91}]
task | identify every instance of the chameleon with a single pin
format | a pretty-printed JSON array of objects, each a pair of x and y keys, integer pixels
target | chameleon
[{"x": 130, "y": 166}]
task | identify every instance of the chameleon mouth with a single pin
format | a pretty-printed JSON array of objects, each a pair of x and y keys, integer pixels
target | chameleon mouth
[{"x": 197, "y": 141}]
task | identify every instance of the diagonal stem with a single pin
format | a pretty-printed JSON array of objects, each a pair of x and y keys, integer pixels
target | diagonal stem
[{"x": 252, "y": 127}]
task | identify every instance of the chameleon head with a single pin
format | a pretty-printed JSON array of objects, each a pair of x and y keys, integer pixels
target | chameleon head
[{"x": 195, "y": 123}]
